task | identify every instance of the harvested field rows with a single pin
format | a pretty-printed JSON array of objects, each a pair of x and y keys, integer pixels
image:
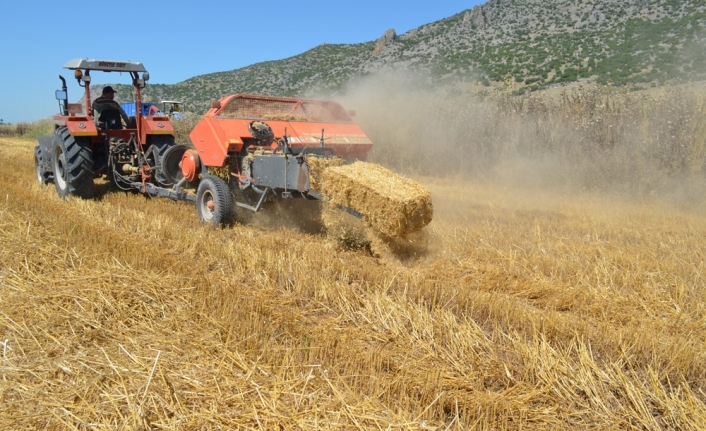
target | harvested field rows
[{"x": 509, "y": 311}]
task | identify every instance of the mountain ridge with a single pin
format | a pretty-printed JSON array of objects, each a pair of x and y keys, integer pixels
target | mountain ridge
[{"x": 524, "y": 45}]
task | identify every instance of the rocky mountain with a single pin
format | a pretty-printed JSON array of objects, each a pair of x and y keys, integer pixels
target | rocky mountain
[{"x": 525, "y": 44}]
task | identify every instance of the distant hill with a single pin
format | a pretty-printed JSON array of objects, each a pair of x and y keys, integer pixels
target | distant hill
[{"x": 526, "y": 44}]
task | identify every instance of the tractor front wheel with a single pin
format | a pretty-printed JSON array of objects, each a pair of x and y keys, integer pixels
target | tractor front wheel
[
  {"x": 72, "y": 163},
  {"x": 213, "y": 201},
  {"x": 42, "y": 175}
]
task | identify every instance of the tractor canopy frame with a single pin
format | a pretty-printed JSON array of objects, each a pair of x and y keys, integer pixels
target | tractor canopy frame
[{"x": 79, "y": 125}]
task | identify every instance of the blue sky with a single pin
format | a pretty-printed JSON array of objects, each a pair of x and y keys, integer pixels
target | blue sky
[{"x": 178, "y": 40}]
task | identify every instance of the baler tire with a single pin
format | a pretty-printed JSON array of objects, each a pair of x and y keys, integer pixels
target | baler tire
[
  {"x": 72, "y": 165},
  {"x": 213, "y": 191},
  {"x": 42, "y": 176}
]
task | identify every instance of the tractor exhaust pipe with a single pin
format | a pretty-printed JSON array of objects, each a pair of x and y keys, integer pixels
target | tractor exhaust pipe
[{"x": 63, "y": 104}]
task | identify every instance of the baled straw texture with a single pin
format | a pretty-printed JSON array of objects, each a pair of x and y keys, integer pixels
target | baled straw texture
[
  {"x": 285, "y": 117},
  {"x": 390, "y": 203},
  {"x": 317, "y": 166}
]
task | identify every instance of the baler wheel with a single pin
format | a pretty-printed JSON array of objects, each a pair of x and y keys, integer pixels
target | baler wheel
[
  {"x": 72, "y": 165},
  {"x": 42, "y": 176},
  {"x": 213, "y": 201}
]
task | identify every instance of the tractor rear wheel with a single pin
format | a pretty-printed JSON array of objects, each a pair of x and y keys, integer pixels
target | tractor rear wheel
[
  {"x": 72, "y": 163},
  {"x": 164, "y": 154},
  {"x": 214, "y": 203},
  {"x": 42, "y": 175}
]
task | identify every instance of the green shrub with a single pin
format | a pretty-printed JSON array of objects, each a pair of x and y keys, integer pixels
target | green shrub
[{"x": 27, "y": 130}]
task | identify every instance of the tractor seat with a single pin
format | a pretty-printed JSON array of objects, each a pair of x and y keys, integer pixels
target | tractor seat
[{"x": 110, "y": 119}]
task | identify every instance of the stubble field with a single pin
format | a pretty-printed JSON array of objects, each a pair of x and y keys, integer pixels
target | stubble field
[{"x": 516, "y": 308}]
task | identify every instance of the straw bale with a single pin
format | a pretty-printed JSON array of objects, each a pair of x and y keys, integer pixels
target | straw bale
[
  {"x": 392, "y": 204},
  {"x": 317, "y": 166}
]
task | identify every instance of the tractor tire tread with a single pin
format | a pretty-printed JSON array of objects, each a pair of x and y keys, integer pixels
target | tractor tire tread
[
  {"x": 160, "y": 145},
  {"x": 43, "y": 176},
  {"x": 79, "y": 166}
]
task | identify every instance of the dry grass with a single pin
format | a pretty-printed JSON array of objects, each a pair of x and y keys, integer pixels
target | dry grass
[
  {"x": 27, "y": 130},
  {"x": 520, "y": 311},
  {"x": 184, "y": 126}
]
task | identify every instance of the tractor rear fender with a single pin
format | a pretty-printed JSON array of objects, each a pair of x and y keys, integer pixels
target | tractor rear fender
[
  {"x": 77, "y": 126},
  {"x": 155, "y": 126}
]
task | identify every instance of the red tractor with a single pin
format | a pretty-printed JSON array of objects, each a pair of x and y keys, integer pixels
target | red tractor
[{"x": 84, "y": 148}]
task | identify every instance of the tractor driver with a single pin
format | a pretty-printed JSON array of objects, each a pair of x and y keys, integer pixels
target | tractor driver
[{"x": 104, "y": 103}]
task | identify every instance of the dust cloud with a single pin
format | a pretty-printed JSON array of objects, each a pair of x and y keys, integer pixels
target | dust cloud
[
  {"x": 481, "y": 148},
  {"x": 584, "y": 138}
]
